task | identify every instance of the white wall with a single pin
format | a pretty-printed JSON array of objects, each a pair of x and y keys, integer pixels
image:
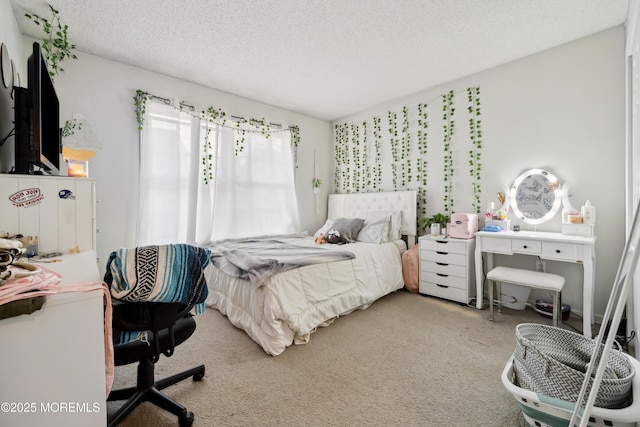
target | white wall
[{"x": 563, "y": 110}]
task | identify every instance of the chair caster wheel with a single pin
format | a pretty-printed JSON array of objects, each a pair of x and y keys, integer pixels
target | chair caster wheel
[
  {"x": 185, "y": 419},
  {"x": 199, "y": 376}
]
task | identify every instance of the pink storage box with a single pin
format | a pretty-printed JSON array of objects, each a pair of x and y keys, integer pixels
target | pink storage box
[{"x": 463, "y": 226}]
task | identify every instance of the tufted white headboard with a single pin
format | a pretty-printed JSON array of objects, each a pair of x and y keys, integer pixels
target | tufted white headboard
[{"x": 353, "y": 205}]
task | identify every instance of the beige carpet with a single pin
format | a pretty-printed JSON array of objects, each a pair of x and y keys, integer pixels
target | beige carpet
[{"x": 408, "y": 360}]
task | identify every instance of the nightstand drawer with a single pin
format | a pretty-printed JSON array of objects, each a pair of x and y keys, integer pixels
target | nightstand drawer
[
  {"x": 445, "y": 245},
  {"x": 444, "y": 279},
  {"x": 443, "y": 257},
  {"x": 442, "y": 268},
  {"x": 443, "y": 291}
]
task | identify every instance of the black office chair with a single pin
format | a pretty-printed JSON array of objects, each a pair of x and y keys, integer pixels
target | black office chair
[{"x": 142, "y": 332}]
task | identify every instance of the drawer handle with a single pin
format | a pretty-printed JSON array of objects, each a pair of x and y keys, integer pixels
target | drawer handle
[
  {"x": 442, "y": 253},
  {"x": 557, "y": 251},
  {"x": 442, "y": 241},
  {"x": 442, "y": 275},
  {"x": 441, "y": 286},
  {"x": 442, "y": 263},
  {"x": 525, "y": 246}
]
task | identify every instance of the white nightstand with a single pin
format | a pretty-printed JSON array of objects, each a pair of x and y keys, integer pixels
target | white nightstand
[{"x": 447, "y": 269}]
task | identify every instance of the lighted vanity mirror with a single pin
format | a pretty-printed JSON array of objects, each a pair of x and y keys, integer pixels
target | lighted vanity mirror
[{"x": 536, "y": 196}]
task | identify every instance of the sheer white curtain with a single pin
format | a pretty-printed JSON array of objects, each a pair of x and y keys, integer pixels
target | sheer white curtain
[
  {"x": 202, "y": 181},
  {"x": 254, "y": 191},
  {"x": 169, "y": 166}
]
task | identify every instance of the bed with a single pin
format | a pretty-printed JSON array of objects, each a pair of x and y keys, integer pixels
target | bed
[{"x": 287, "y": 306}]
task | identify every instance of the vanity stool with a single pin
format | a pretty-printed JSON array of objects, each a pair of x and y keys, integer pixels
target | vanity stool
[{"x": 531, "y": 279}]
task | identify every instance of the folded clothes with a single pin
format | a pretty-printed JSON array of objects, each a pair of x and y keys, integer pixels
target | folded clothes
[{"x": 22, "y": 306}]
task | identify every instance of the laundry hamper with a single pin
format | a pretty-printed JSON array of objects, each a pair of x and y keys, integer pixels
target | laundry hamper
[
  {"x": 552, "y": 361},
  {"x": 608, "y": 376},
  {"x": 544, "y": 411}
]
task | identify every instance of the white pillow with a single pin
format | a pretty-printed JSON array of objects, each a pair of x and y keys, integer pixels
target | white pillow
[
  {"x": 375, "y": 228},
  {"x": 324, "y": 229},
  {"x": 394, "y": 226},
  {"x": 394, "y": 217}
]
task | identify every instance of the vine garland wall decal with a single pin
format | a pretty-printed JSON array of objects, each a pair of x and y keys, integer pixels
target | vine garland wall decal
[
  {"x": 449, "y": 130},
  {"x": 358, "y": 167},
  {"x": 475, "y": 134},
  {"x": 393, "y": 132},
  {"x": 211, "y": 115},
  {"x": 423, "y": 124},
  {"x": 377, "y": 167},
  {"x": 336, "y": 156},
  {"x": 406, "y": 149},
  {"x": 366, "y": 178},
  {"x": 368, "y": 158},
  {"x": 342, "y": 157},
  {"x": 295, "y": 142},
  {"x": 140, "y": 102}
]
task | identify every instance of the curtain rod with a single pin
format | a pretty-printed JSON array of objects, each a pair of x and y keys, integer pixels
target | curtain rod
[
  {"x": 175, "y": 101},
  {"x": 244, "y": 120},
  {"x": 170, "y": 102}
]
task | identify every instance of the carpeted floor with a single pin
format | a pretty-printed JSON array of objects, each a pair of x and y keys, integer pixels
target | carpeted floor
[{"x": 407, "y": 360}]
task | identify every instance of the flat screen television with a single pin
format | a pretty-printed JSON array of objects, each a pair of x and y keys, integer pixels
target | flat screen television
[{"x": 37, "y": 121}]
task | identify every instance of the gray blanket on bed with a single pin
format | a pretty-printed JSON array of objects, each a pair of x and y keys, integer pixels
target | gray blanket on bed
[{"x": 257, "y": 260}]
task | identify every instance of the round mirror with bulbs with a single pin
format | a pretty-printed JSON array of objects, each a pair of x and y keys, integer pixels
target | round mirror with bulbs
[{"x": 536, "y": 196}]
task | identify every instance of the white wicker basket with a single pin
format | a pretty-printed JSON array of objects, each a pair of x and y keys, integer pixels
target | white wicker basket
[
  {"x": 553, "y": 361},
  {"x": 543, "y": 411}
]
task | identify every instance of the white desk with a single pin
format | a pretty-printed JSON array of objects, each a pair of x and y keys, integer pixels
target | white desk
[
  {"x": 53, "y": 360},
  {"x": 550, "y": 246}
]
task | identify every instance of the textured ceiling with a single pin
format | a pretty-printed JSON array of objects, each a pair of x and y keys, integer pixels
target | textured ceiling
[{"x": 322, "y": 58}]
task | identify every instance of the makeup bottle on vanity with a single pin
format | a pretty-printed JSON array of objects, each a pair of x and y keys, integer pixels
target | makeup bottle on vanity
[{"x": 588, "y": 212}]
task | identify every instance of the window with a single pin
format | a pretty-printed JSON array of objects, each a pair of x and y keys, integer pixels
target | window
[{"x": 251, "y": 191}]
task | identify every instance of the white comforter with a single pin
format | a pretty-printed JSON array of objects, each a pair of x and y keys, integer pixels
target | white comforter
[{"x": 292, "y": 304}]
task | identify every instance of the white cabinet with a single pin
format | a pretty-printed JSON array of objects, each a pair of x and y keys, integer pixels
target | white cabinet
[
  {"x": 53, "y": 362},
  {"x": 447, "y": 268},
  {"x": 53, "y": 367},
  {"x": 59, "y": 210}
]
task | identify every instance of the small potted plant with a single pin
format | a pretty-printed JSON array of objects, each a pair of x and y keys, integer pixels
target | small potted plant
[
  {"x": 316, "y": 182},
  {"x": 436, "y": 223}
]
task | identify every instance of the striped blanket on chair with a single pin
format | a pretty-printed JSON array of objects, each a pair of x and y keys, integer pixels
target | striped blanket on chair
[{"x": 165, "y": 273}]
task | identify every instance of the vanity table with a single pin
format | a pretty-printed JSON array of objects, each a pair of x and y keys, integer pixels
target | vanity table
[
  {"x": 549, "y": 246},
  {"x": 536, "y": 197}
]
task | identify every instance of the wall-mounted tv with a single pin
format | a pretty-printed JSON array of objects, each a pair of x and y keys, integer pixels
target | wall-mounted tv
[{"x": 37, "y": 120}]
